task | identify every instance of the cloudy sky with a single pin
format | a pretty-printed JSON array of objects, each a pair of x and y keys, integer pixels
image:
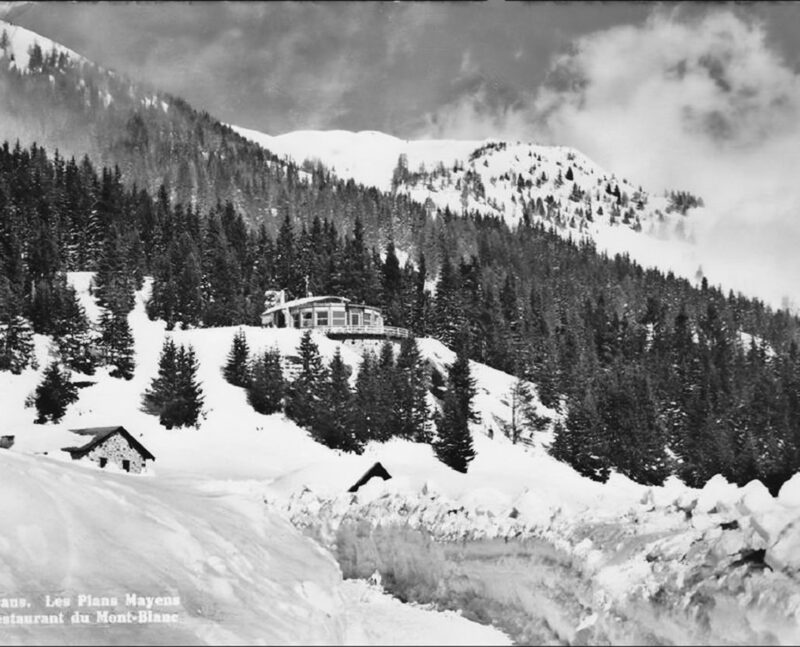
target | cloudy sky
[{"x": 698, "y": 96}]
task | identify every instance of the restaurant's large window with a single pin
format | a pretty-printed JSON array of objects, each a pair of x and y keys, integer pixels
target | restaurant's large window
[
  {"x": 338, "y": 318},
  {"x": 322, "y": 317},
  {"x": 308, "y": 322}
]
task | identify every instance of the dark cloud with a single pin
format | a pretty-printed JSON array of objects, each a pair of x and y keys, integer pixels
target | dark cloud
[
  {"x": 395, "y": 67},
  {"x": 283, "y": 66}
]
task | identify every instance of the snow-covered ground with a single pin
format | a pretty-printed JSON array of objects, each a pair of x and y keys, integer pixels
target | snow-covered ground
[
  {"x": 195, "y": 527},
  {"x": 521, "y": 541},
  {"x": 368, "y": 157}
]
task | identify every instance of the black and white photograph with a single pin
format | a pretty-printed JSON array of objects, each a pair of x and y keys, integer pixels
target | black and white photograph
[{"x": 399, "y": 323}]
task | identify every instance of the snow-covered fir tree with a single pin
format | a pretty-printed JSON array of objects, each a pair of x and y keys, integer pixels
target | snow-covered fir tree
[
  {"x": 54, "y": 394},
  {"x": 236, "y": 369},
  {"x": 266, "y": 387}
]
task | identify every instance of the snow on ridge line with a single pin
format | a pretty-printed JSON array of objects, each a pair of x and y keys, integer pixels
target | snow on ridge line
[
  {"x": 368, "y": 157},
  {"x": 21, "y": 39}
]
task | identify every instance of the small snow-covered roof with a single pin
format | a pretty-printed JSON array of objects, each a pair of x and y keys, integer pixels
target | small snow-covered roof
[
  {"x": 295, "y": 303},
  {"x": 95, "y": 431}
]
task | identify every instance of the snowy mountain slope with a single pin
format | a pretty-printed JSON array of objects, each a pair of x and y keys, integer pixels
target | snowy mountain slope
[
  {"x": 19, "y": 43},
  {"x": 368, "y": 157},
  {"x": 197, "y": 520},
  {"x": 671, "y": 232},
  {"x": 521, "y": 540},
  {"x": 515, "y": 181},
  {"x": 246, "y": 437},
  {"x": 21, "y": 40},
  {"x": 490, "y": 177}
]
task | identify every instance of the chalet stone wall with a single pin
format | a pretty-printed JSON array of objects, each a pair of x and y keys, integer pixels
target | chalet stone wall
[{"x": 115, "y": 450}]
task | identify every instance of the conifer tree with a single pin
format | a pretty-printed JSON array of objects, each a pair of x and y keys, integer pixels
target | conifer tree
[
  {"x": 54, "y": 394},
  {"x": 412, "y": 394},
  {"x": 267, "y": 387},
  {"x": 336, "y": 429},
  {"x": 186, "y": 402},
  {"x": 117, "y": 340},
  {"x": 236, "y": 368},
  {"x": 579, "y": 441},
  {"x": 462, "y": 383},
  {"x": 523, "y": 415},
  {"x": 448, "y": 311},
  {"x": 633, "y": 440},
  {"x": 189, "y": 303},
  {"x": 16, "y": 334},
  {"x": 304, "y": 395},
  {"x": 420, "y": 318},
  {"x": 73, "y": 336},
  {"x": 161, "y": 387},
  {"x": 35, "y": 57},
  {"x": 115, "y": 282},
  {"x": 391, "y": 284},
  {"x": 387, "y": 394},
  {"x": 16, "y": 346},
  {"x": 286, "y": 273},
  {"x": 223, "y": 277},
  {"x": 367, "y": 417},
  {"x": 453, "y": 444}
]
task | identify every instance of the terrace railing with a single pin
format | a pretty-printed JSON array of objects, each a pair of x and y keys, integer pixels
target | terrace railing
[{"x": 384, "y": 331}]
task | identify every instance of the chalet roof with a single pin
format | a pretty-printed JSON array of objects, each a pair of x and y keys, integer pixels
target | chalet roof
[
  {"x": 376, "y": 470},
  {"x": 101, "y": 434},
  {"x": 295, "y": 303}
]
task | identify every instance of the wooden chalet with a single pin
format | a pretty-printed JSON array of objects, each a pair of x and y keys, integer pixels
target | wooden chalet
[{"x": 336, "y": 317}]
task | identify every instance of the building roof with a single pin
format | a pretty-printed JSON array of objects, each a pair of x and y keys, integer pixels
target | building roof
[
  {"x": 376, "y": 470},
  {"x": 101, "y": 434},
  {"x": 93, "y": 431},
  {"x": 294, "y": 303}
]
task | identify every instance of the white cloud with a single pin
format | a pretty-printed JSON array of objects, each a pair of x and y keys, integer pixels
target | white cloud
[
  {"x": 476, "y": 116},
  {"x": 706, "y": 106}
]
